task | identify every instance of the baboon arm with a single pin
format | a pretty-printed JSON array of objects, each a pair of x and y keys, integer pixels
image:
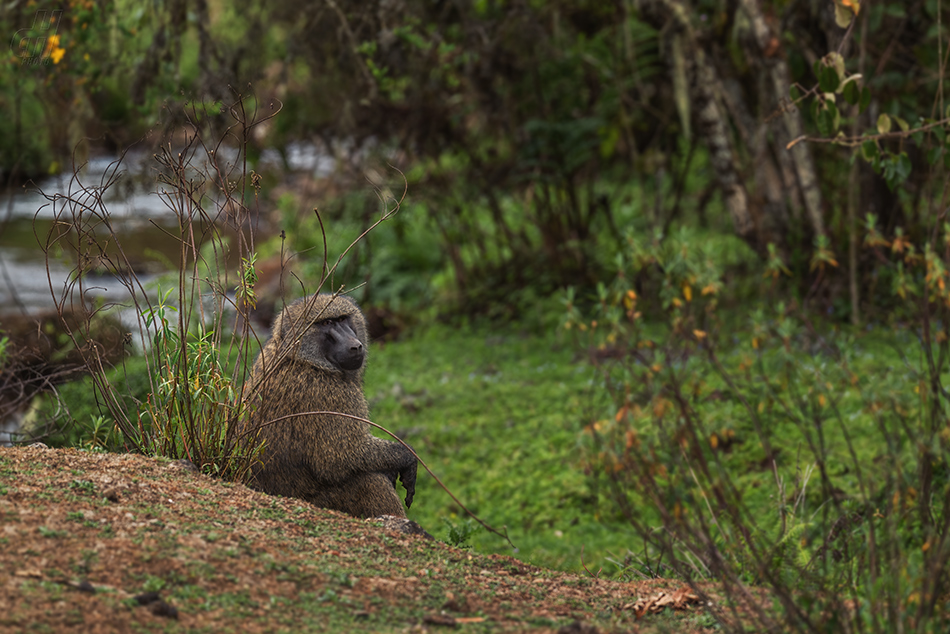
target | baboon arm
[
  {"x": 394, "y": 459},
  {"x": 374, "y": 455}
]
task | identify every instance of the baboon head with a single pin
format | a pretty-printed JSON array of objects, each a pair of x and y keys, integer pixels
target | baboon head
[{"x": 328, "y": 332}]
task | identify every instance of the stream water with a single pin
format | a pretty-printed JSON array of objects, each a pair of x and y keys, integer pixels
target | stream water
[
  {"x": 28, "y": 219},
  {"x": 138, "y": 215},
  {"x": 123, "y": 205}
]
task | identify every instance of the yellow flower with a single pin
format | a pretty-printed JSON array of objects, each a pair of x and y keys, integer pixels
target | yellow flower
[{"x": 54, "y": 50}]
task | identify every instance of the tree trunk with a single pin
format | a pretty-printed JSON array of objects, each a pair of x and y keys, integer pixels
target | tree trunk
[
  {"x": 768, "y": 49},
  {"x": 705, "y": 87}
]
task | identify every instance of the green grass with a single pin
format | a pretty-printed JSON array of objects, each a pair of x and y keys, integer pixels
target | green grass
[{"x": 499, "y": 417}]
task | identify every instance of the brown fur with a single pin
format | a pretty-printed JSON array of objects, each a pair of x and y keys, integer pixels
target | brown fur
[{"x": 331, "y": 461}]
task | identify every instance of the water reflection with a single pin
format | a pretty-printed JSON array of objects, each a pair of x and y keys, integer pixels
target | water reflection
[{"x": 125, "y": 205}]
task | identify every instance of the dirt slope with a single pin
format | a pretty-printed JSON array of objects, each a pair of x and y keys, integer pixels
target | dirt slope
[{"x": 93, "y": 542}]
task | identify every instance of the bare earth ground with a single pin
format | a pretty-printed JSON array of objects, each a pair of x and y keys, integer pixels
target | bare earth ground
[{"x": 95, "y": 542}]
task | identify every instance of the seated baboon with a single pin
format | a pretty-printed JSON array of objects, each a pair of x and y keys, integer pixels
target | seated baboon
[{"x": 314, "y": 362}]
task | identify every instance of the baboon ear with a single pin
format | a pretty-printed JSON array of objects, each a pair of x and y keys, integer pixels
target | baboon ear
[
  {"x": 277, "y": 327},
  {"x": 289, "y": 322}
]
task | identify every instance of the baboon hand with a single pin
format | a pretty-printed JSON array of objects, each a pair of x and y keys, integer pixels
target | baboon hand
[{"x": 408, "y": 477}]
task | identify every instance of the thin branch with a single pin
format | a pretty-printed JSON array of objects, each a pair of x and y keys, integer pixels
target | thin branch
[{"x": 854, "y": 141}]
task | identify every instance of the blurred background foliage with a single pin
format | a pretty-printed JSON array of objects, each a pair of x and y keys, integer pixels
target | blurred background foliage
[{"x": 534, "y": 135}]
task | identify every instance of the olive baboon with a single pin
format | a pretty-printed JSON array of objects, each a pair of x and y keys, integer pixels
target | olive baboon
[{"x": 314, "y": 361}]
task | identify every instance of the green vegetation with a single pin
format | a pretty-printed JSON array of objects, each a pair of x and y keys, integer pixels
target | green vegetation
[
  {"x": 506, "y": 422},
  {"x": 496, "y": 417},
  {"x": 523, "y": 145},
  {"x": 667, "y": 292}
]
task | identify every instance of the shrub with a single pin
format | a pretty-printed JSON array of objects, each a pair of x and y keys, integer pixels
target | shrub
[{"x": 769, "y": 452}]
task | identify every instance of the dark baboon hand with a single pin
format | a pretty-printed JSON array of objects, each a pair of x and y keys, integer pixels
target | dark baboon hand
[{"x": 408, "y": 477}]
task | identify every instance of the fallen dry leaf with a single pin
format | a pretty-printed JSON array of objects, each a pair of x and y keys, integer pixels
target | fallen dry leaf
[
  {"x": 679, "y": 599},
  {"x": 440, "y": 619}
]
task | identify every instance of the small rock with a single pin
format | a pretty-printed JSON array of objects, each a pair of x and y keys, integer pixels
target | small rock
[
  {"x": 403, "y": 525},
  {"x": 187, "y": 465},
  {"x": 439, "y": 619},
  {"x": 161, "y": 608},
  {"x": 578, "y": 627},
  {"x": 85, "y": 586},
  {"x": 146, "y": 597}
]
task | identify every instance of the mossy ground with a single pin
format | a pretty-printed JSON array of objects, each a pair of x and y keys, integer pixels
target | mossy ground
[
  {"x": 499, "y": 418},
  {"x": 85, "y": 534}
]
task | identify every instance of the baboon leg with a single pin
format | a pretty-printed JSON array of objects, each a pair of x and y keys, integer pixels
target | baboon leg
[{"x": 366, "y": 495}]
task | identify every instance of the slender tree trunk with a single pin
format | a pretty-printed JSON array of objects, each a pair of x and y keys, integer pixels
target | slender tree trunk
[
  {"x": 780, "y": 80},
  {"x": 770, "y": 187},
  {"x": 853, "y": 178},
  {"x": 704, "y": 88}
]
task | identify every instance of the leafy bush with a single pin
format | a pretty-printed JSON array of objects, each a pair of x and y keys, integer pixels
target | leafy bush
[
  {"x": 78, "y": 409},
  {"x": 399, "y": 263},
  {"x": 767, "y": 452},
  {"x": 195, "y": 406}
]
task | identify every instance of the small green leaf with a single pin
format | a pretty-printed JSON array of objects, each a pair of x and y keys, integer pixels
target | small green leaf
[
  {"x": 828, "y": 79},
  {"x": 934, "y": 154},
  {"x": 883, "y": 123},
  {"x": 903, "y": 167},
  {"x": 851, "y": 92},
  {"x": 832, "y": 110},
  {"x": 902, "y": 124},
  {"x": 836, "y": 61},
  {"x": 794, "y": 93},
  {"x": 869, "y": 150},
  {"x": 865, "y": 99},
  {"x": 826, "y": 122},
  {"x": 822, "y": 122},
  {"x": 843, "y": 15}
]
